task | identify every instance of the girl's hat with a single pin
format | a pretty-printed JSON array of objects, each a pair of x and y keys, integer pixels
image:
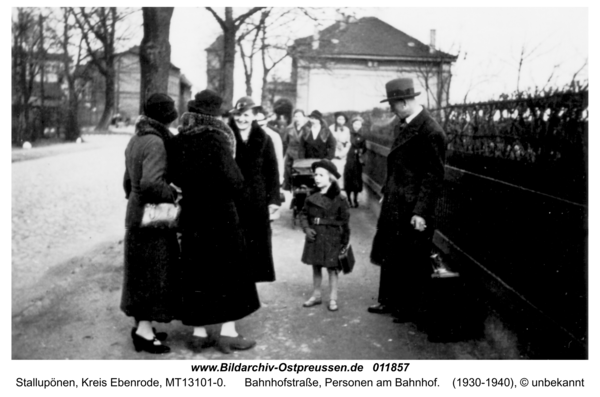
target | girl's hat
[{"x": 328, "y": 165}]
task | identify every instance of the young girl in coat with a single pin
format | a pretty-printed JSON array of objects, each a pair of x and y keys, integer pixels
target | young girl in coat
[{"x": 324, "y": 220}]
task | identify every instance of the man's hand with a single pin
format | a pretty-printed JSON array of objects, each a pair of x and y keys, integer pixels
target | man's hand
[
  {"x": 418, "y": 223},
  {"x": 311, "y": 234}
]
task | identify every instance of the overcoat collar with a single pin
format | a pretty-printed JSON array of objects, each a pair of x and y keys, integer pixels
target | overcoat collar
[
  {"x": 144, "y": 125},
  {"x": 323, "y": 135},
  {"x": 411, "y": 130},
  {"x": 196, "y": 123},
  {"x": 325, "y": 200}
]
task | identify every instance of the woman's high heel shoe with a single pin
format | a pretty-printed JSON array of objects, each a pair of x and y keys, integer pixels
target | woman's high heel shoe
[
  {"x": 151, "y": 346},
  {"x": 161, "y": 336},
  {"x": 225, "y": 344}
]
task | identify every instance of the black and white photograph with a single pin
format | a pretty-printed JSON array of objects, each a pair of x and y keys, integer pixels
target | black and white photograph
[{"x": 324, "y": 183}]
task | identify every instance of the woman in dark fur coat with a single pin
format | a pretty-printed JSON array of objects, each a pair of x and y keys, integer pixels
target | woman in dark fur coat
[
  {"x": 151, "y": 270},
  {"x": 218, "y": 284},
  {"x": 255, "y": 155}
]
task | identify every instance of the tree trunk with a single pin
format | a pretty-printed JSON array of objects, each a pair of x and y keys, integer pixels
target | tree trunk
[
  {"x": 109, "y": 98},
  {"x": 155, "y": 52},
  {"x": 72, "y": 121},
  {"x": 228, "y": 57}
]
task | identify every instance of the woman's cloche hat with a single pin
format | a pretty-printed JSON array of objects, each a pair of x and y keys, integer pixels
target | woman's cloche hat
[
  {"x": 206, "y": 102},
  {"x": 243, "y": 104},
  {"x": 315, "y": 114}
]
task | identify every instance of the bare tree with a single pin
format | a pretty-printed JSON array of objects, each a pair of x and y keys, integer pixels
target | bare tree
[
  {"x": 230, "y": 27},
  {"x": 248, "y": 49},
  {"x": 272, "y": 49},
  {"x": 69, "y": 44},
  {"x": 155, "y": 52},
  {"x": 98, "y": 26},
  {"x": 26, "y": 66}
]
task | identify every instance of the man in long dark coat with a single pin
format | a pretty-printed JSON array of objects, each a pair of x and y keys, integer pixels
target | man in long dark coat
[{"x": 415, "y": 172}]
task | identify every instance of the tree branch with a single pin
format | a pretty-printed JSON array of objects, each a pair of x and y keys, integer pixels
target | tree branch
[
  {"x": 237, "y": 22},
  {"x": 218, "y": 18}
]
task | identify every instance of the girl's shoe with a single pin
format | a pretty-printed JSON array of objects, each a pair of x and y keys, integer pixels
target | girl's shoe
[
  {"x": 151, "y": 346},
  {"x": 332, "y": 305},
  {"x": 312, "y": 302}
]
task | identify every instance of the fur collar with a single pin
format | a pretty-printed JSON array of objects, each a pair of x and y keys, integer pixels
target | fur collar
[
  {"x": 196, "y": 123},
  {"x": 325, "y": 200},
  {"x": 257, "y": 139},
  {"x": 144, "y": 125}
]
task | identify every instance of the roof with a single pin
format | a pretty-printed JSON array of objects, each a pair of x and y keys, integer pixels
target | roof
[
  {"x": 185, "y": 81},
  {"x": 217, "y": 45},
  {"x": 368, "y": 37}
]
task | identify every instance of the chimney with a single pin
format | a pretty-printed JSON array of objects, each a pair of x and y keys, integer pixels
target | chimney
[
  {"x": 432, "y": 41},
  {"x": 315, "y": 39}
]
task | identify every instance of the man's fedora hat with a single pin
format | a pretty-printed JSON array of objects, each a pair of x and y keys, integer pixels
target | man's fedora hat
[{"x": 402, "y": 88}]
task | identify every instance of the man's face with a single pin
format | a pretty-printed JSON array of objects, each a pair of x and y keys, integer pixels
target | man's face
[
  {"x": 244, "y": 120},
  {"x": 299, "y": 118},
  {"x": 400, "y": 109}
]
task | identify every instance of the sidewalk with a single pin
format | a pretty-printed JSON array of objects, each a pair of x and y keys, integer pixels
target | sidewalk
[{"x": 77, "y": 317}]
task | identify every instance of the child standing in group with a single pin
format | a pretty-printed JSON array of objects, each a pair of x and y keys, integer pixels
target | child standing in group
[{"x": 324, "y": 220}]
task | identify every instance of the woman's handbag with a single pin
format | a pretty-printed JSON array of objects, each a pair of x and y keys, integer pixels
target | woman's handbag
[
  {"x": 163, "y": 215},
  {"x": 346, "y": 260}
]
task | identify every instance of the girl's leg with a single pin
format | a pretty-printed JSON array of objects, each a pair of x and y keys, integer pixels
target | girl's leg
[
  {"x": 315, "y": 298},
  {"x": 333, "y": 284},
  {"x": 317, "y": 280}
]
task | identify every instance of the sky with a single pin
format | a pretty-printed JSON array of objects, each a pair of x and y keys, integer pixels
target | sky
[{"x": 488, "y": 41}]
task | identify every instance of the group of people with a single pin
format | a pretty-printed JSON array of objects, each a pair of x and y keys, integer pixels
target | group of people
[
  {"x": 310, "y": 137},
  {"x": 225, "y": 172},
  {"x": 227, "y": 175}
]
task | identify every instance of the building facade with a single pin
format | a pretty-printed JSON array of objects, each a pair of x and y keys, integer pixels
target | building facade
[
  {"x": 127, "y": 89},
  {"x": 346, "y": 66}
]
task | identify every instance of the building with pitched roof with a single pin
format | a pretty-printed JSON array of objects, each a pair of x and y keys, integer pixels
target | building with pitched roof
[{"x": 346, "y": 65}]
